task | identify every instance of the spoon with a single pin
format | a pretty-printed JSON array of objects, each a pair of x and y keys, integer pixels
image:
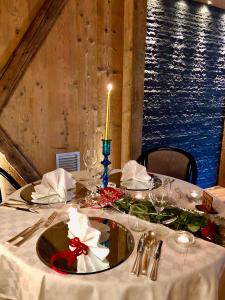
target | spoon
[
  {"x": 149, "y": 243},
  {"x": 140, "y": 249}
]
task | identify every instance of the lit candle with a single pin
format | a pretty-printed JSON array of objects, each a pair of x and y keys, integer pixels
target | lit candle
[
  {"x": 109, "y": 88},
  {"x": 183, "y": 239},
  {"x": 138, "y": 195},
  {"x": 194, "y": 194}
]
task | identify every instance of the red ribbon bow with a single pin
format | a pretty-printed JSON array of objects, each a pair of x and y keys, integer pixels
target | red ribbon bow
[{"x": 68, "y": 255}]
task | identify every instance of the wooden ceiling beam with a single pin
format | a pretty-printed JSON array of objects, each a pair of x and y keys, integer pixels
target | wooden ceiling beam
[
  {"x": 17, "y": 159},
  {"x": 29, "y": 44}
]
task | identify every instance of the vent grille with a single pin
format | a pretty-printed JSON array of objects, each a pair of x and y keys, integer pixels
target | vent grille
[{"x": 69, "y": 161}]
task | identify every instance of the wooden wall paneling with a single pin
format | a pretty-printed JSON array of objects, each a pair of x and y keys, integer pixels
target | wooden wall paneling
[
  {"x": 127, "y": 81},
  {"x": 116, "y": 76},
  {"x": 81, "y": 70},
  {"x": 60, "y": 119},
  {"x": 133, "y": 78},
  {"x": 17, "y": 64},
  {"x": 47, "y": 91},
  {"x": 110, "y": 69},
  {"x": 91, "y": 73},
  {"x": 140, "y": 14},
  {"x": 15, "y": 18},
  {"x": 103, "y": 63},
  {"x": 26, "y": 123},
  {"x": 62, "y": 96},
  {"x": 27, "y": 48},
  {"x": 87, "y": 51}
]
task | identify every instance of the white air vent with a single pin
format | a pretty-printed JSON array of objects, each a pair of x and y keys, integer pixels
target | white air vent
[{"x": 69, "y": 161}]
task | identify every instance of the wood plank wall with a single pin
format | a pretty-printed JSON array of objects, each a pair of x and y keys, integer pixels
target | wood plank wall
[{"x": 59, "y": 105}]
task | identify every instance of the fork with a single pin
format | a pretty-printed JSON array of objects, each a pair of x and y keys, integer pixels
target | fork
[
  {"x": 29, "y": 233},
  {"x": 25, "y": 230},
  {"x": 50, "y": 219}
]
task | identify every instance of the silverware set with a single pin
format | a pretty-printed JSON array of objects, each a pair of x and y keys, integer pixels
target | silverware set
[
  {"x": 20, "y": 204},
  {"x": 154, "y": 271},
  {"x": 146, "y": 244},
  {"x": 20, "y": 207},
  {"x": 149, "y": 244},
  {"x": 24, "y": 235},
  {"x": 140, "y": 248}
]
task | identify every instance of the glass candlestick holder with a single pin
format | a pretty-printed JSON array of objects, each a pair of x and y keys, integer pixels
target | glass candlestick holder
[{"x": 105, "y": 162}]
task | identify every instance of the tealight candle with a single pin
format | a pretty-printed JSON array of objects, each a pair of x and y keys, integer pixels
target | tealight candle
[
  {"x": 184, "y": 238},
  {"x": 194, "y": 194},
  {"x": 138, "y": 195}
]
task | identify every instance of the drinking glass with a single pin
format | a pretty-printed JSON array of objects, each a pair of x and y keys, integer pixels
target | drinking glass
[
  {"x": 58, "y": 201},
  {"x": 138, "y": 214},
  {"x": 90, "y": 159},
  {"x": 159, "y": 200},
  {"x": 167, "y": 185}
]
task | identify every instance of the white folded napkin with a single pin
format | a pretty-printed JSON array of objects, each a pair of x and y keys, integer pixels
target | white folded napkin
[
  {"x": 79, "y": 226},
  {"x": 132, "y": 170},
  {"x": 57, "y": 182}
]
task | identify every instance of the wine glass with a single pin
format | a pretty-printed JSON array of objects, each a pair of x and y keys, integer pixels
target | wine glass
[
  {"x": 59, "y": 200},
  {"x": 159, "y": 200},
  {"x": 138, "y": 217},
  {"x": 90, "y": 159}
]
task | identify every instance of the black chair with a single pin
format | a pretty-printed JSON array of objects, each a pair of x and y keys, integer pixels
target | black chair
[
  {"x": 10, "y": 179},
  {"x": 170, "y": 161}
]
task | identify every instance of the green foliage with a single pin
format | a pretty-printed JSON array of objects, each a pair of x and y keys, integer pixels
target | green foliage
[{"x": 186, "y": 220}]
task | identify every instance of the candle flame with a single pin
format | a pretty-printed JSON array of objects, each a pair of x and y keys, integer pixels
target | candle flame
[{"x": 109, "y": 87}]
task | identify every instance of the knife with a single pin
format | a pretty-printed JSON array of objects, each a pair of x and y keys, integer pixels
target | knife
[
  {"x": 156, "y": 256},
  {"x": 24, "y": 208},
  {"x": 140, "y": 250}
]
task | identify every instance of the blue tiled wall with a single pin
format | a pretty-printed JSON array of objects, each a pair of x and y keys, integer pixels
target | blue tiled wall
[{"x": 185, "y": 81}]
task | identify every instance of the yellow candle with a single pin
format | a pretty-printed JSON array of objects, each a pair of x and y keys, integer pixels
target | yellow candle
[{"x": 109, "y": 88}]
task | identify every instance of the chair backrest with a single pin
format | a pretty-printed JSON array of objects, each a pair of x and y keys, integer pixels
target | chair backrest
[
  {"x": 10, "y": 179},
  {"x": 170, "y": 161}
]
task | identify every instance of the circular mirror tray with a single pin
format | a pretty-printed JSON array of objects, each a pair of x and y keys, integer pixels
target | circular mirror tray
[
  {"x": 25, "y": 193},
  {"x": 117, "y": 238}
]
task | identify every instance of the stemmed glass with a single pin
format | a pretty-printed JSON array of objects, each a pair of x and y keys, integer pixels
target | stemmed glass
[
  {"x": 59, "y": 200},
  {"x": 90, "y": 159},
  {"x": 159, "y": 200}
]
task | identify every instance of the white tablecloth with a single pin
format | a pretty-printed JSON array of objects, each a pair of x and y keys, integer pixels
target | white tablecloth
[{"x": 194, "y": 275}]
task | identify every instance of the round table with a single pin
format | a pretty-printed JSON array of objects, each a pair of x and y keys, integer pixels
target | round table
[{"x": 195, "y": 274}]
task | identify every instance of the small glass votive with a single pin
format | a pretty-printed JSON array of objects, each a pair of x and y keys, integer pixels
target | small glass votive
[
  {"x": 184, "y": 239},
  {"x": 138, "y": 195},
  {"x": 195, "y": 195}
]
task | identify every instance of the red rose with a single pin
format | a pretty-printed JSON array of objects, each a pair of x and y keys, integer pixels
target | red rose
[{"x": 209, "y": 231}]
